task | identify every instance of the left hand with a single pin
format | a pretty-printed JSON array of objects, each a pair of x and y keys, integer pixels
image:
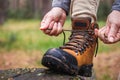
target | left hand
[{"x": 110, "y": 33}]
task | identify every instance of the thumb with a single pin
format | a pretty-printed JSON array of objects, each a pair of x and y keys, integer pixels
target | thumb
[
  {"x": 46, "y": 22},
  {"x": 96, "y": 32},
  {"x": 112, "y": 32}
]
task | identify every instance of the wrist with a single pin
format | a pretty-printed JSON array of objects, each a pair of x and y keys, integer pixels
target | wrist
[
  {"x": 117, "y": 11},
  {"x": 59, "y": 9}
]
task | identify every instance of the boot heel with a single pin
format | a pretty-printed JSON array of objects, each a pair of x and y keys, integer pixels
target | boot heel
[{"x": 86, "y": 70}]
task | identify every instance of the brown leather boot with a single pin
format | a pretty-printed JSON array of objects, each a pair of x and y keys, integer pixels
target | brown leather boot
[{"x": 76, "y": 56}]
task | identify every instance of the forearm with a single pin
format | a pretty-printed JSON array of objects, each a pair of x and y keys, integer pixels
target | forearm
[
  {"x": 64, "y": 4},
  {"x": 116, "y": 5}
]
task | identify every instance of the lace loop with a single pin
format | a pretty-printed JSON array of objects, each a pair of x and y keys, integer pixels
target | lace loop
[
  {"x": 82, "y": 38},
  {"x": 79, "y": 40}
]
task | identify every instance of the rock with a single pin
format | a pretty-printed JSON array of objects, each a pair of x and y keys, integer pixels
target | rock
[{"x": 38, "y": 74}]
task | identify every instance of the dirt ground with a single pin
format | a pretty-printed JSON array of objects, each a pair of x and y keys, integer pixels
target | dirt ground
[
  {"x": 19, "y": 59},
  {"x": 106, "y": 65}
]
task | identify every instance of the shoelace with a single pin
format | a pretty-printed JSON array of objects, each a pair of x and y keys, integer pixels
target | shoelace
[
  {"x": 79, "y": 32},
  {"x": 82, "y": 45}
]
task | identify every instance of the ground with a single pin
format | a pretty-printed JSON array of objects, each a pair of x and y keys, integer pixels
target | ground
[{"x": 106, "y": 65}]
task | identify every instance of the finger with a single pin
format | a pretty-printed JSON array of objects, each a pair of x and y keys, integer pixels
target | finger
[
  {"x": 112, "y": 32},
  {"x": 59, "y": 29},
  {"x": 54, "y": 30},
  {"x": 48, "y": 30},
  {"x": 51, "y": 25},
  {"x": 117, "y": 37},
  {"x": 43, "y": 21},
  {"x": 107, "y": 30},
  {"x": 62, "y": 19},
  {"x": 101, "y": 35},
  {"x": 46, "y": 21},
  {"x": 96, "y": 32}
]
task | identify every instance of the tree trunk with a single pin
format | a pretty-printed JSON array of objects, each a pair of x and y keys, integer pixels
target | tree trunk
[
  {"x": 46, "y": 6},
  {"x": 38, "y": 74},
  {"x": 3, "y": 8},
  {"x": 36, "y": 8}
]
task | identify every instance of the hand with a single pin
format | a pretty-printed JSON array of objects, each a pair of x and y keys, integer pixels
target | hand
[
  {"x": 110, "y": 33},
  {"x": 53, "y": 20}
]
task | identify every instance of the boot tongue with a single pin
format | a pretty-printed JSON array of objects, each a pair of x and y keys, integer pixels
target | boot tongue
[{"x": 81, "y": 23}]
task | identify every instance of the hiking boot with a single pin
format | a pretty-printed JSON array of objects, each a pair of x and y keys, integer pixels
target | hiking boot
[{"x": 76, "y": 56}]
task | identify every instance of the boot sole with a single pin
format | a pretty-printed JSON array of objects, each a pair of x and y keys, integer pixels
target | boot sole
[
  {"x": 57, "y": 65},
  {"x": 60, "y": 66}
]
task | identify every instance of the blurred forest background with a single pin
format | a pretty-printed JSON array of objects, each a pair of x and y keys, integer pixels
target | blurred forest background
[
  {"x": 23, "y": 9},
  {"x": 22, "y": 44},
  {"x": 26, "y": 9}
]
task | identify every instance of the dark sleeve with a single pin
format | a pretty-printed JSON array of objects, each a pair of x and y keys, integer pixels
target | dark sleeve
[
  {"x": 64, "y": 4},
  {"x": 116, "y": 5}
]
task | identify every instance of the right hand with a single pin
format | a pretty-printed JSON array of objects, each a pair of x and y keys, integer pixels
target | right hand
[{"x": 53, "y": 20}]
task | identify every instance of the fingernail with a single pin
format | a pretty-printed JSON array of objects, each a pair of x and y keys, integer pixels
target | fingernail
[
  {"x": 42, "y": 26},
  {"x": 111, "y": 39}
]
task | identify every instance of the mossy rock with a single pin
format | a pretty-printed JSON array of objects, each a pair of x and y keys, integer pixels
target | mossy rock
[{"x": 37, "y": 74}]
